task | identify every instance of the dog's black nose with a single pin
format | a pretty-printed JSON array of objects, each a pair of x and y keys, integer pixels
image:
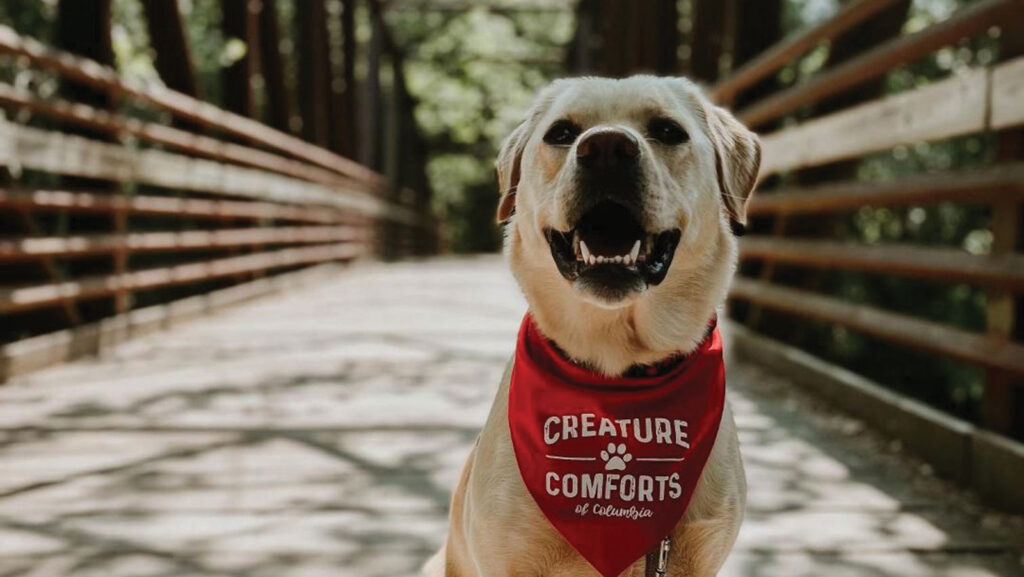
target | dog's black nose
[{"x": 608, "y": 148}]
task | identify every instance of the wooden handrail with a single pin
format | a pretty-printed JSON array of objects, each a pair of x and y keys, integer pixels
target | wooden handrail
[
  {"x": 974, "y": 19},
  {"x": 944, "y": 264},
  {"x": 187, "y": 142},
  {"x": 101, "y": 77},
  {"x": 794, "y": 46},
  {"x": 1008, "y": 94},
  {"x": 19, "y": 299},
  {"x": 1005, "y": 181},
  {"x": 28, "y": 248},
  {"x": 105, "y": 203},
  {"x": 951, "y": 107},
  {"x": 902, "y": 329},
  {"x": 76, "y": 156}
]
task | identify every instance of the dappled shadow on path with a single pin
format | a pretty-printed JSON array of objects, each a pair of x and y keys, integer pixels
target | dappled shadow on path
[{"x": 320, "y": 433}]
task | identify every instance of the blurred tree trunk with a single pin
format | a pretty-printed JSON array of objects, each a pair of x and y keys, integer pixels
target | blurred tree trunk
[
  {"x": 239, "y": 22},
  {"x": 349, "y": 130},
  {"x": 314, "y": 71},
  {"x": 619, "y": 39},
  {"x": 707, "y": 39},
  {"x": 369, "y": 113},
  {"x": 754, "y": 31},
  {"x": 173, "y": 59},
  {"x": 83, "y": 28},
  {"x": 278, "y": 106}
]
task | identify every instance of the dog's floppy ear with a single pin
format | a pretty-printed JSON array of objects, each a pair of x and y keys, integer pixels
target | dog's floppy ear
[
  {"x": 737, "y": 161},
  {"x": 510, "y": 159}
]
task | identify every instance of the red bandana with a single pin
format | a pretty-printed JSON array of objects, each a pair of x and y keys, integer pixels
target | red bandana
[{"x": 612, "y": 462}]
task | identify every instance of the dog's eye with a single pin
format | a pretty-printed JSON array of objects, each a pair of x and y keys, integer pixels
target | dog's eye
[
  {"x": 562, "y": 133},
  {"x": 667, "y": 131}
]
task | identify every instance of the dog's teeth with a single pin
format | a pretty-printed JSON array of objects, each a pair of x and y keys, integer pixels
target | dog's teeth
[
  {"x": 601, "y": 259},
  {"x": 585, "y": 251},
  {"x": 618, "y": 259},
  {"x": 627, "y": 260},
  {"x": 635, "y": 252}
]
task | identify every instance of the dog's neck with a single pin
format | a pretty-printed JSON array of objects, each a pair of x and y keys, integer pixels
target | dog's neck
[
  {"x": 611, "y": 341},
  {"x": 668, "y": 320}
]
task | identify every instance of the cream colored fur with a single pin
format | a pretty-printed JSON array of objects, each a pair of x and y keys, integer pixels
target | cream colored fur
[{"x": 496, "y": 528}]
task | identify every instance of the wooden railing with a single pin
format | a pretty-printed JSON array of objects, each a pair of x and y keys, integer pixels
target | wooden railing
[
  {"x": 981, "y": 100},
  {"x": 189, "y": 211}
]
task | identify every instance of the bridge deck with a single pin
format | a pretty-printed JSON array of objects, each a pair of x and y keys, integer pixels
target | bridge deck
[{"x": 320, "y": 432}]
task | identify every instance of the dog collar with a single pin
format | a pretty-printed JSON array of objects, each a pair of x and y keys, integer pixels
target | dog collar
[{"x": 612, "y": 462}]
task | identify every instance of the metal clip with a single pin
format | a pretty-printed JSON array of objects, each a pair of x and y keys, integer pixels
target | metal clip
[{"x": 663, "y": 550}]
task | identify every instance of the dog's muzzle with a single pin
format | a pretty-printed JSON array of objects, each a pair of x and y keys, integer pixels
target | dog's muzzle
[{"x": 609, "y": 252}]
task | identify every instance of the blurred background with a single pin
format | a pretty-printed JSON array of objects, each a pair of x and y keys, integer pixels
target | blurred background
[{"x": 160, "y": 159}]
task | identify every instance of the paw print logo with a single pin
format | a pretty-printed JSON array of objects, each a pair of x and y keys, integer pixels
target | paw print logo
[{"x": 615, "y": 457}]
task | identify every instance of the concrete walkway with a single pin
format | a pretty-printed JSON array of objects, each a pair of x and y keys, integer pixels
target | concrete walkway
[{"x": 320, "y": 433}]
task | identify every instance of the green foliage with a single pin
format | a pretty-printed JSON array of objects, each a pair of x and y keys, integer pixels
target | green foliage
[
  {"x": 210, "y": 50},
  {"x": 31, "y": 17},
  {"x": 474, "y": 74}
]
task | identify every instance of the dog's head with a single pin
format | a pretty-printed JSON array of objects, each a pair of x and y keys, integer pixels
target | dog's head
[{"x": 614, "y": 191}]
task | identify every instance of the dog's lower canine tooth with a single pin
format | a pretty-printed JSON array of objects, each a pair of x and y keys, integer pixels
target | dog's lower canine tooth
[{"x": 585, "y": 251}]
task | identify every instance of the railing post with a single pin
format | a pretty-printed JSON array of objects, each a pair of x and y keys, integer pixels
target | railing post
[{"x": 1002, "y": 401}]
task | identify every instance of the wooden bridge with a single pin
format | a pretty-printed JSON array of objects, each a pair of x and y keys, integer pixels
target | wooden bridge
[{"x": 157, "y": 418}]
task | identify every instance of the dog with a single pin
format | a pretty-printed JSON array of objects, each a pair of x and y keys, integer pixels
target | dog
[{"x": 621, "y": 200}]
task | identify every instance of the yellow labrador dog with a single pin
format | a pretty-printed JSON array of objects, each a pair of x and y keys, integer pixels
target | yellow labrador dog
[{"x": 644, "y": 173}]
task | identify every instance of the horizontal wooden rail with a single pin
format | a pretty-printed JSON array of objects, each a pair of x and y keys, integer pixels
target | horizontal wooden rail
[
  {"x": 41, "y": 351},
  {"x": 92, "y": 73},
  {"x": 974, "y": 20},
  {"x": 794, "y": 46},
  {"x": 59, "y": 153},
  {"x": 21, "y": 299},
  {"x": 949, "y": 265},
  {"x": 952, "y": 107},
  {"x": 1008, "y": 93},
  {"x": 72, "y": 246},
  {"x": 116, "y": 125},
  {"x": 905, "y": 330},
  {"x": 999, "y": 182},
  {"x": 105, "y": 203}
]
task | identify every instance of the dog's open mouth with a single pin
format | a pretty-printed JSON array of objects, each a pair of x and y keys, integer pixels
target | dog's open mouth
[{"x": 611, "y": 251}]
